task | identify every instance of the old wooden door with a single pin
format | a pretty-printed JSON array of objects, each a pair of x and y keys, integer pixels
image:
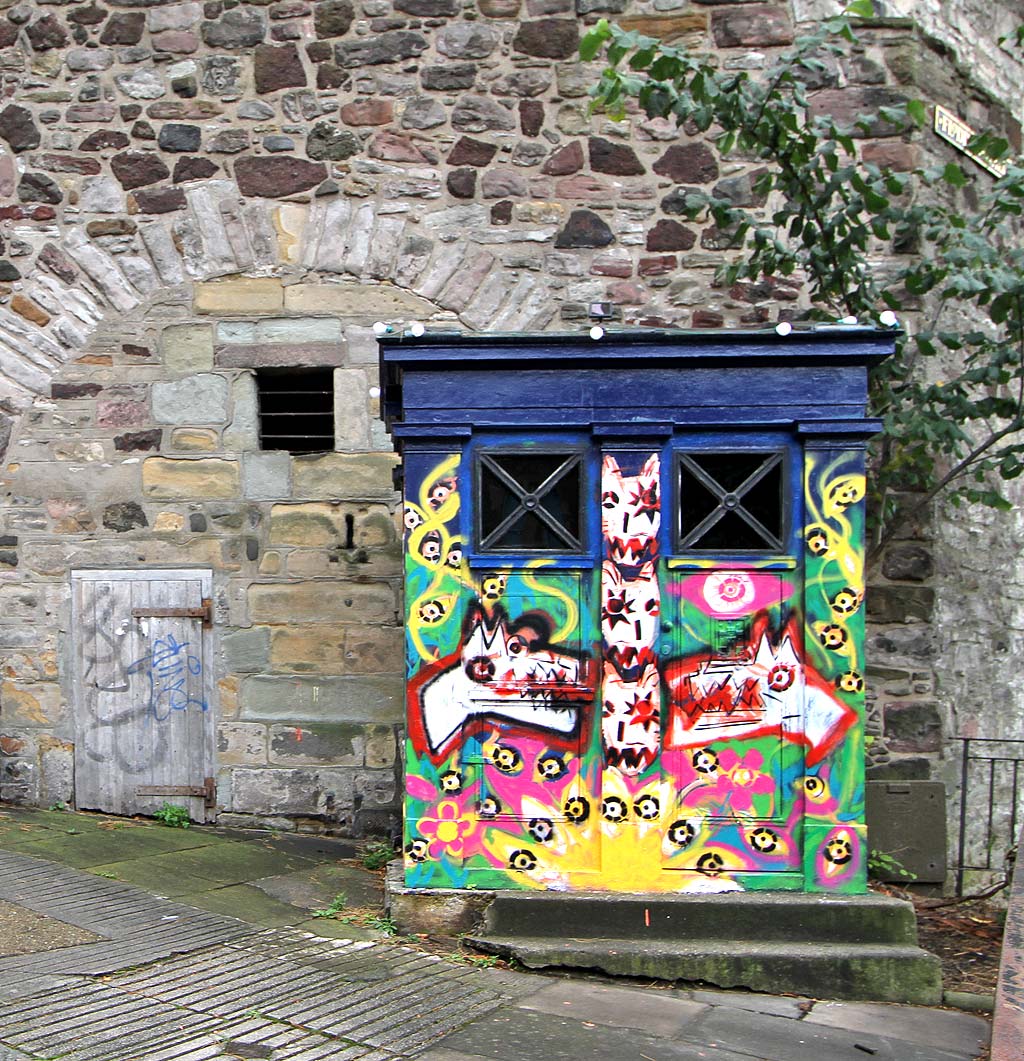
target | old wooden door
[{"x": 143, "y": 691}]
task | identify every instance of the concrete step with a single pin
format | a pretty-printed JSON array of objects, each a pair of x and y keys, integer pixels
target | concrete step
[
  {"x": 875, "y": 972},
  {"x": 757, "y": 916}
]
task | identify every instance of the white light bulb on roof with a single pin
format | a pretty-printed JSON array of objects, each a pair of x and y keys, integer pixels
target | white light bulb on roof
[
  {"x": 887, "y": 318},
  {"x": 375, "y": 392},
  {"x": 597, "y": 332},
  {"x": 380, "y": 328},
  {"x": 783, "y": 328},
  {"x": 848, "y": 320},
  {"x": 417, "y": 328}
]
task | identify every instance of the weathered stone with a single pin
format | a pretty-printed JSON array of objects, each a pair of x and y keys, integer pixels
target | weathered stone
[
  {"x": 193, "y": 169},
  {"x": 38, "y": 188},
  {"x": 238, "y": 27},
  {"x": 330, "y": 76},
  {"x": 246, "y": 650},
  {"x": 913, "y": 726},
  {"x": 450, "y": 77},
  {"x": 324, "y": 744},
  {"x": 177, "y": 137},
  {"x": 470, "y": 152},
  {"x": 423, "y": 112},
  {"x": 134, "y": 169},
  {"x": 688, "y": 164},
  {"x": 277, "y": 67},
  {"x": 255, "y": 110},
  {"x": 332, "y": 18},
  {"x": 67, "y": 164},
  {"x": 344, "y": 476},
  {"x": 388, "y": 47},
  {"x": 143, "y": 130},
  {"x": 168, "y": 479},
  {"x": 79, "y": 60},
  {"x": 134, "y": 441},
  {"x": 250, "y": 295},
  {"x": 198, "y": 399},
  {"x": 892, "y": 154},
  {"x": 462, "y": 183},
  {"x": 753, "y": 25},
  {"x": 278, "y": 142},
  {"x": 566, "y": 160},
  {"x": 467, "y": 40},
  {"x": 318, "y": 601},
  {"x": 229, "y": 142},
  {"x": 858, "y": 110},
  {"x": 504, "y": 9},
  {"x": 87, "y": 15},
  {"x": 609, "y": 157},
  {"x": 54, "y": 259},
  {"x": 739, "y": 190},
  {"x": 900, "y": 604},
  {"x": 103, "y": 139},
  {"x": 584, "y": 229},
  {"x": 124, "y": 516},
  {"x": 908, "y": 562},
  {"x": 322, "y": 793},
  {"x": 141, "y": 84},
  {"x": 326, "y": 141},
  {"x": 477, "y": 114},
  {"x": 241, "y": 744},
  {"x": 159, "y": 200},
  {"x": 395, "y": 148},
  {"x": 46, "y": 33},
  {"x": 500, "y": 183},
  {"x": 18, "y": 129},
  {"x": 28, "y": 309},
  {"x": 194, "y": 440},
  {"x": 548, "y": 38},
  {"x": 279, "y": 175},
  {"x": 187, "y": 348},
  {"x": 368, "y": 112},
  {"x": 119, "y": 414},
  {"x": 670, "y": 236}
]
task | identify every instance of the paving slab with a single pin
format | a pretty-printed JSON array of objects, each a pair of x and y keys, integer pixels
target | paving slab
[
  {"x": 792, "y": 1006},
  {"x": 618, "y": 1007},
  {"x": 958, "y": 1032},
  {"x": 247, "y": 902},
  {"x": 315, "y": 887},
  {"x": 778, "y": 1039},
  {"x": 156, "y": 879}
]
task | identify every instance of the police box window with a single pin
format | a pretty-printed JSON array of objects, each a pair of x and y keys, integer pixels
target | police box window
[
  {"x": 296, "y": 408},
  {"x": 730, "y": 501},
  {"x": 529, "y": 501}
]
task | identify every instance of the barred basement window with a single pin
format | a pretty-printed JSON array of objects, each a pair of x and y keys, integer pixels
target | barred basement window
[
  {"x": 529, "y": 501},
  {"x": 296, "y": 409},
  {"x": 730, "y": 502}
]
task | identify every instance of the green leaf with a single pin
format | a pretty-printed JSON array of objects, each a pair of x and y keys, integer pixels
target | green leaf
[
  {"x": 954, "y": 175},
  {"x": 860, "y": 9},
  {"x": 592, "y": 42},
  {"x": 917, "y": 112}
]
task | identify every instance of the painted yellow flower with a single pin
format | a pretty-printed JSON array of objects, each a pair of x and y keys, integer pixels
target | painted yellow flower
[{"x": 447, "y": 831}]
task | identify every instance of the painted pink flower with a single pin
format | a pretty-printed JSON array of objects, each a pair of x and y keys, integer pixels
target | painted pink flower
[
  {"x": 448, "y": 830},
  {"x": 740, "y": 779}
]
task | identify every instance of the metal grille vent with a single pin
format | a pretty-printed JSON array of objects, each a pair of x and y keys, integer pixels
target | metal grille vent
[{"x": 296, "y": 409}]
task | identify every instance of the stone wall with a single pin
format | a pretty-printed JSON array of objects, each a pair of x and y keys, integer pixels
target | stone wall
[{"x": 193, "y": 191}]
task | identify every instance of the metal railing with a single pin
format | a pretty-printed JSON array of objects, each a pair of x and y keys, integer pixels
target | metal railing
[{"x": 991, "y": 775}]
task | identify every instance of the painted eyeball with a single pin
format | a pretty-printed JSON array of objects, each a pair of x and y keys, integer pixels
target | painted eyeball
[
  {"x": 489, "y": 807},
  {"x": 613, "y": 809},
  {"x": 430, "y": 547},
  {"x": 705, "y": 761},
  {"x": 411, "y": 518},
  {"x": 506, "y": 759},
  {"x": 832, "y": 636},
  {"x": 541, "y": 829},
  {"x": 577, "y": 809},
  {"x": 479, "y": 669},
  {"x": 454, "y": 557},
  {"x": 847, "y": 493},
  {"x": 681, "y": 833},
  {"x": 417, "y": 849},
  {"x": 850, "y": 682},
  {"x": 493, "y": 586},
  {"x": 815, "y": 788},
  {"x": 764, "y": 840},
  {"x": 710, "y": 863},
  {"x": 440, "y": 492},
  {"x": 647, "y": 808},
  {"x": 433, "y": 611},
  {"x": 817, "y": 542},
  {"x": 781, "y": 677},
  {"x": 551, "y": 767},
  {"x": 845, "y": 601},
  {"x": 522, "y": 860},
  {"x": 838, "y": 851},
  {"x": 451, "y": 781}
]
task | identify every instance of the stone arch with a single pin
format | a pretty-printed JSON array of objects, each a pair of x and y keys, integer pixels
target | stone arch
[{"x": 80, "y": 279}]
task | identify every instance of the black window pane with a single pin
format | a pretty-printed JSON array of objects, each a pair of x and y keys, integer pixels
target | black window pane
[
  {"x": 713, "y": 501},
  {"x": 296, "y": 409},
  {"x": 530, "y": 501}
]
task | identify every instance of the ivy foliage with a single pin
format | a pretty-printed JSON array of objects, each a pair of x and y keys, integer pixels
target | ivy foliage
[{"x": 938, "y": 246}]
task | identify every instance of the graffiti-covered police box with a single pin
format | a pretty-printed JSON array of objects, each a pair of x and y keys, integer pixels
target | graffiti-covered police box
[{"x": 634, "y": 608}]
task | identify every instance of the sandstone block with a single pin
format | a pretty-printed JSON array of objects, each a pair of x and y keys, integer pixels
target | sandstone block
[
  {"x": 337, "y": 601},
  {"x": 345, "y": 476},
  {"x": 246, "y": 650},
  {"x": 194, "y": 439},
  {"x": 322, "y": 699},
  {"x": 246, "y": 295},
  {"x": 326, "y": 744},
  {"x": 31, "y": 703},
  {"x": 187, "y": 348},
  {"x": 374, "y": 650},
  {"x": 361, "y": 301},
  {"x": 165, "y": 478},
  {"x": 313, "y": 649},
  {"x": 202, "y": 398},
  {"x": 241, "y": 744}
]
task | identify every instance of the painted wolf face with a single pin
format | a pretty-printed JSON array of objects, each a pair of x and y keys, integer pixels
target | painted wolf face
[
  {"x": 630, "y": 719},
  {"x": 630, "y": 611},
  {"x": 630, "y": 510},
  {"x": 505, "y": 671}
]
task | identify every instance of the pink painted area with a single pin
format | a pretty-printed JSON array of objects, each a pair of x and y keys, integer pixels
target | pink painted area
[{"x": 730, "y": 592}]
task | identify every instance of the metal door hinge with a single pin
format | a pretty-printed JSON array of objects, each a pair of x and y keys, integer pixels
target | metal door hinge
[
  {"x": 204, "y": 612},
  {"x": 207, "y": 791}
]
